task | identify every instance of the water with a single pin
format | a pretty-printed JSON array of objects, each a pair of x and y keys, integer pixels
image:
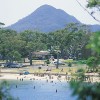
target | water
[{"x": 41, "y": 90}]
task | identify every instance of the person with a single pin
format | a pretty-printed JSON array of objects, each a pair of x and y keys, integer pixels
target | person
[
  {"x": 56, "y": 90},
  {"x": 62, "y": 70},
  {"x": 34, "y": 87}
]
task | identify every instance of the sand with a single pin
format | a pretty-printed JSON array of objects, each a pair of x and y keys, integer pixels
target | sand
[{"x": 6, "y": 76}]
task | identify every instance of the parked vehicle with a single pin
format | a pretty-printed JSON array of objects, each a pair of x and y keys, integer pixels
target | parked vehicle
[
  {"x": 13, "y": 65},
  {"x": 26, "y": 73},
  {"x": 60, "y": 63}
]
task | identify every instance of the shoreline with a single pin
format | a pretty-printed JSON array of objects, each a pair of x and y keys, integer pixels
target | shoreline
[
  {"x": 31, "y": 77},
  {"x": 45, "y": 77}
]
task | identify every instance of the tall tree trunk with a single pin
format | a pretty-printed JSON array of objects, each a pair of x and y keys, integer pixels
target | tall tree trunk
[
  {"x": 30, "y": 57},
  {"x": 57, "y": 66}
]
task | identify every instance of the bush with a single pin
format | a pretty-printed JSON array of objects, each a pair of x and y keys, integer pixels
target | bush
[
  {"x": 91, "y": 62},
  {"x": 85, "y": 91},
  {"x": 47, "y": 61},
  {"x": 4, "y": 91},
  {"x": 69, "y": 60},
  {"x": 80, "y": 70},
  {"x": 80, "y": 62},
  {"x": 70, "y": 64}
]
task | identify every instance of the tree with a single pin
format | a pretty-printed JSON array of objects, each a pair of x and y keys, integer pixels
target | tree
[
  {"x": 33, "y": 42},
  {"x": 16, "y": 56},
  {"x": 89, "y": 91},
  {"x": 94, "y": 43},
  {"x": 4, "y": 91},
  {"x": 1, "y": 24},
  {"x": 71, "y": 40},
  {"x": 78, "y": 36},
  {"x": 92, "y": 62},
  {"x": 85, "y": 91},
  {"x": 93, "y": 3},
  {"x": 47, "y": 61},
  {"x": 10, "y": 43}
]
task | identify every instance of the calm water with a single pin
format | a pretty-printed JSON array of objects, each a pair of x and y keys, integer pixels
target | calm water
[{"x": 43, "y": 90}]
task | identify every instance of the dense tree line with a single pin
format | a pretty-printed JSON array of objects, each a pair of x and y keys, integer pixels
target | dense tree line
[{"x": 70, "y": 42}]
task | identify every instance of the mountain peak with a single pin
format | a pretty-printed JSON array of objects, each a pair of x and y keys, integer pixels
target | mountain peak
[
  {"x": 46, "y": 5},
  {"x": 45, "y": 19},
  {"x": 45, "y": 8}
]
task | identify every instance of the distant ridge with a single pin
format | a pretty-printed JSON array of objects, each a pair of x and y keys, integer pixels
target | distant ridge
[{"x": 45, "y": 19}]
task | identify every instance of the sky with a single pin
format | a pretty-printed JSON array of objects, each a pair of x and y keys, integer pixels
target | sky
[{"x": 13, "y": 10}]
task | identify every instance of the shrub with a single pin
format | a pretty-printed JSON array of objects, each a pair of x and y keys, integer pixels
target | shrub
[
  {"x": 70, "y": 64},
  {"x": 80, "y": 70},
  {"x": 47, "y": 61},
  {"x": 91, "y": 62}
]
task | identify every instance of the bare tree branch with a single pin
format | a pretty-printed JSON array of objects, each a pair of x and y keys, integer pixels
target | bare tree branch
[
  {"x": 88, "y": 12},
  {"x": 2, "y": 23}
]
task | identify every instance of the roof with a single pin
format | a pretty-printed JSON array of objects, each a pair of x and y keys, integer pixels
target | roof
[{"x": 41, "y": 53}]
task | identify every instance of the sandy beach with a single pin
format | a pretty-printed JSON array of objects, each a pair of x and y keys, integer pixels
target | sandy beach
[
  {"x": 14, "y": 74},
  {"x": 7, "y": 76}
]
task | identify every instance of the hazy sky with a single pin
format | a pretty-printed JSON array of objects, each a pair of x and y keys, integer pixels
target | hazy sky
[{"x": 13, "y": 10}]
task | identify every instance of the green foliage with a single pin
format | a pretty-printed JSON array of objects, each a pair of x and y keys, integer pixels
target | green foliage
[
  {"x": 85, "y": 91},
  {"x": 33, "y": 41},
  {"x": 71, "y": 40},
  {"x": 17, "y": 56},
  {"x": 4, "y": 91},
  {"x": 70, "y": 64},
  {"x": 47, "y": 61},
  {"x": 93, "y": 3},
  {"x": 82, "y": 61},
  {"x": 95, "y": 42},
  {"x": 69, "y": 60},
  {"x": 92, "y": 62},
  {"x": 80, "y": 70},
  {"x": 79, "y": 61},
  {"x": 10, "y": 43}
]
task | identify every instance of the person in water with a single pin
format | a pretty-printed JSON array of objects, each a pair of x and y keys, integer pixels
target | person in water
[
  {"x": 34, "y": 87},
  {"x": 56, "y": 90}
]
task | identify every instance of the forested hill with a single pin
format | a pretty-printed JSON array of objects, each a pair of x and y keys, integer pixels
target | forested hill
[{"x": 45, "y": 19}]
